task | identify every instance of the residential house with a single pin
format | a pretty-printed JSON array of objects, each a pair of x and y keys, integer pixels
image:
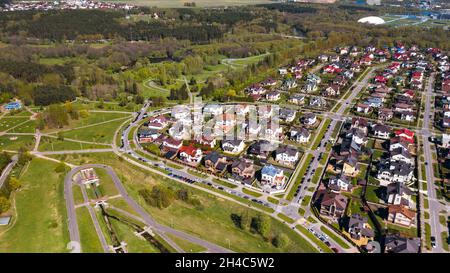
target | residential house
[
  {"x": 309, "y": 119},
  {"x": 407, "y": 134},
  {"x": 146, "y": 135},
  {"x": 172, "y": 144},
  {"x": 400, "y": 154},
  {"x": 300, "y": 134},
  {"x": 359, "y": 228},
  {"x": 243, "y": 169},
  {"x": 385, "y": 114},
  {"x": 286, "y": 155},
  {"x": 287, "y": 115},
  {"x": 395, "y": 243},
  {"x": 216, "y": 162},
  {"x": 381, "y": 131},
  {"x": 330, "y": 203},
  {"x": 297, "y": 99},
  {"x": 350, "y": 166},
  {"x": 261, "y": 149},
  {"x": 190, "y": 154},
  {"x": 363, "y": 108},
  {"x": 393, "y": 171},
  {"x": 272, "y": 176},
  {"x": 398, "y": 194},
  {"x": 234, "y": 146},
  {"x": 401, "y": 215},
  {"x": 332, "y": 91},
  {"x": 339, "y": 183},
  {"x": 360, "y": 123}
]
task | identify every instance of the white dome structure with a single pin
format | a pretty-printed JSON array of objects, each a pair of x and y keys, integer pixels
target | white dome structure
[{"x": 373, "y": 20}]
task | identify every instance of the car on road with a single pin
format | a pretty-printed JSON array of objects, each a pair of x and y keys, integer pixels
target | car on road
[
  {"x": 335, "y": 250},
  {"x": 433, "y": 241}
]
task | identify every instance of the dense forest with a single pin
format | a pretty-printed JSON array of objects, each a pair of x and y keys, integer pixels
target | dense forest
[{"x": 54, "y": 56}]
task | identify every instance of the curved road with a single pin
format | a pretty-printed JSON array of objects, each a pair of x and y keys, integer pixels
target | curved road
[{"x": 73, "y": 226}]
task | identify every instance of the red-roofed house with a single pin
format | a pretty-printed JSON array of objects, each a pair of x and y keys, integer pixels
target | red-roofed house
[
  {"x": 190, "y": 154},
  {"x": 406, "y": 134}
]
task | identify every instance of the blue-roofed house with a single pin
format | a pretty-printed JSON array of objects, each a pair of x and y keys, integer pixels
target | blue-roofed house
[
  {"x": 15, "y": 105},
  {"x": 374, "y": 102},
  {"x": 272, "y": 176}
]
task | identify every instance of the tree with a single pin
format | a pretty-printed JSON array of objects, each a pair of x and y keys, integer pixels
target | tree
[
  {"x": 4, "y": 204},
  {"x": 14, "y": 183},
  {"x": 245, "y": 220},
  {"x": 281, "y": 240},
  {"x": 139, "y": 99},
  {"x": 262, "y": 225},
  {"x": 61, "y": 168}
]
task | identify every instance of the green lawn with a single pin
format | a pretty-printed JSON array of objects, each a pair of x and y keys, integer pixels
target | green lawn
[
  {"x": 224, "y": 183},
  {"x": 41, "y": 223},
  {"x": 252, "y": 193},
  {"x": 187, "y": 246},
  {"x": 53, "y": 144},
  {"x": 13, "y": 143},
  {"x": 8, "y": 123},
  {"x": 90, "y": 243},
  {"x": 213, "y": 222},
  {"x": 103, "y": 133},
  {"x": 107, "y": 186}
]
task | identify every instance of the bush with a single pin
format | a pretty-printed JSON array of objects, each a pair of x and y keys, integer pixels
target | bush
[
  {"x": 4, "y": 204},
  {"x": 280, "y": 241}
]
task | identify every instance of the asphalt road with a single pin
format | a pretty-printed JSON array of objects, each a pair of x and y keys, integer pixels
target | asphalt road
[
  {"x": 434, "y": 206},
  {"x": 147, "y": 218},
  {"x": 8, "y": 169}
]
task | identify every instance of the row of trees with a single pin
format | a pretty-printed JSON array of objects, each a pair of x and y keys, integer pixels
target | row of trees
[
  {"x": 162, "y": 197},
  {"x": 261, "y": 224}
]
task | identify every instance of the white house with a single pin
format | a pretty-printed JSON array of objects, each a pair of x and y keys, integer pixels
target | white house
[
  {"x": 272, "y": 177},
  {"x": 340, "y": 183},
  {"x": 233, "y": 146},
  {"x": 286, "y": 155}
]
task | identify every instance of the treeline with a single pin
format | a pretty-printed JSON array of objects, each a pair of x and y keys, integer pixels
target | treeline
[
  {"x": 32, "y": 72},
  {"x": 262, "y": 225},
  {"x": 70, "y": 24},
  {"x": 162, "y": 197},
  {"x": 46, "y": 95}
]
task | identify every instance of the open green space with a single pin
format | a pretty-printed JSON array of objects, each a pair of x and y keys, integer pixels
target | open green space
[
  {"x": 212, "y": 222},
  {"x": 13, "y": 143},
  {"x": 187, "y": 246},
  {"x": 41, "y": 223},
  {"x": 7, "y": 123},
  {"x": 90, "y": 243},
  {"x": 103, "y": 133},
  {"x": 53, "y": 144}
]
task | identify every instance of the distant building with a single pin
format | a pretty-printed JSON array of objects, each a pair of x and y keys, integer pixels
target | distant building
[{"x": 13, "y": 106}]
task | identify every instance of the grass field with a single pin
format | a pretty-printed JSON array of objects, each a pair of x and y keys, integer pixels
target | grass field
[
  {"x": 199, "y": 3},
  {"x": 213, "y": 222},
  {"x": 90, "y": 243},
  {"x": 103, "y": 133},
  {"x": 187, "y": 246},
  {"x": 15, "y": 142},
  {"x": 41, "y": 223},
  {"x": 6, "y": 123},
  {"x": 53, "y": 144}
]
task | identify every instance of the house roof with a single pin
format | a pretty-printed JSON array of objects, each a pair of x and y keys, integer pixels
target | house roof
[
  {"x": 330, "y": 198},
  {"x": 270, "y": 170},
  {"x": 287, "y": 150},
  {"x": 394, "y": 209},
  {"x": 190, "y": 150},
  {"x": 398, "y": 244}
]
